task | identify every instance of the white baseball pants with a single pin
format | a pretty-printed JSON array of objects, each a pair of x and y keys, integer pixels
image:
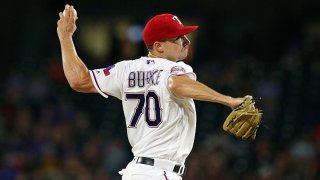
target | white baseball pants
[{"x": 135, "y": 171}]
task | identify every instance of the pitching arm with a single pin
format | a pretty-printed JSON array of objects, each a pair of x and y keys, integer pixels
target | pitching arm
[{"x": 75, "y": 70}]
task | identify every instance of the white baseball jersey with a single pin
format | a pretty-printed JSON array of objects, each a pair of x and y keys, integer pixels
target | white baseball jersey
[{"x": 159, "y": 123}]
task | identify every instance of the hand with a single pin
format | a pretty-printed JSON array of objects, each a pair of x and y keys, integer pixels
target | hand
[
  {"x": 67, "y": 22},
  {"x": 235, "y": 102}
]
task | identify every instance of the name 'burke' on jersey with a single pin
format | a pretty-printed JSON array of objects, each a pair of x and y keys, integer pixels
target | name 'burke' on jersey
[{"x": 142, "y": 78}]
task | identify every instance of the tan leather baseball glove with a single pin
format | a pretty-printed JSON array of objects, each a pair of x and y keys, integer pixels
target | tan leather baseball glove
[{"x": 244, "y": 120}]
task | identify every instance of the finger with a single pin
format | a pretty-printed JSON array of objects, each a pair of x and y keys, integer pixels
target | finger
[
  {"x": 72, "y": 13},
  {"x": 60, "y": 15},
  {"x": 67, "y": 10},
  {"x": 67, "y": 6}
]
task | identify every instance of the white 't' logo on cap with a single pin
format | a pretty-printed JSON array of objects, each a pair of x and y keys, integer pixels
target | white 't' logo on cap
[{"x": 175, "y": 18}]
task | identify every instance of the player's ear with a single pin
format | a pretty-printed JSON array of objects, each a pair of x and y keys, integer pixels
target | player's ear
[{"x": 158, "y": 46}]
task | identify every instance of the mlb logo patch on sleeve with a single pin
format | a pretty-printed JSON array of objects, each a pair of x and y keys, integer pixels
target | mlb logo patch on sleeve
[
  {"x": 150, "y": 61},
  {"x": 176, "y": 70},
  {"x": 106, "y": 70}
]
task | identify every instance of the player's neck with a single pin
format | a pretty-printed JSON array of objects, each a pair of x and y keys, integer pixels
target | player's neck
[
  {"x": 157, "y": 56},
  {"x": 152, "y": 55}
]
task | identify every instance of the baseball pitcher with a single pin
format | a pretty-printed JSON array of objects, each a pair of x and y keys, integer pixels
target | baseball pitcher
[{"x": 156, "y": 92}]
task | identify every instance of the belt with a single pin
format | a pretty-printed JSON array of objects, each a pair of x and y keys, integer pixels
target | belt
[{"x": 180, "y": 170}]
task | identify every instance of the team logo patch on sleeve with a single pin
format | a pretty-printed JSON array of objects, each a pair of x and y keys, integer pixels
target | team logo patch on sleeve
[
  {"x": 106, "y": 70},
  {"x": 176, "y": 70}
]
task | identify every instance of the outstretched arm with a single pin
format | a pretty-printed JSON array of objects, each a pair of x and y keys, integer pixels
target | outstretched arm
[
  {"x": 186, "y": 87},
  {"x": 74, "y": 69}
]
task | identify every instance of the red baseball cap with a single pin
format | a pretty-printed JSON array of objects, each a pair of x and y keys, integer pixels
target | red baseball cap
[{"x": 164, "y": 26}]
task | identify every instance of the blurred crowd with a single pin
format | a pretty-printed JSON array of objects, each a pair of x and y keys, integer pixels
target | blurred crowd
[{"x": 50, "y": 132}]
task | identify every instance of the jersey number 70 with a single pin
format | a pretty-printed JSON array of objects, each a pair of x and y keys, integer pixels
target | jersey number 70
[{"x": 144, "y": 103}]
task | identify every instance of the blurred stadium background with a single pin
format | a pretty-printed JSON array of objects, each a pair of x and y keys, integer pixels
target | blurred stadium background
[{"x": 270, "y": 49}]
